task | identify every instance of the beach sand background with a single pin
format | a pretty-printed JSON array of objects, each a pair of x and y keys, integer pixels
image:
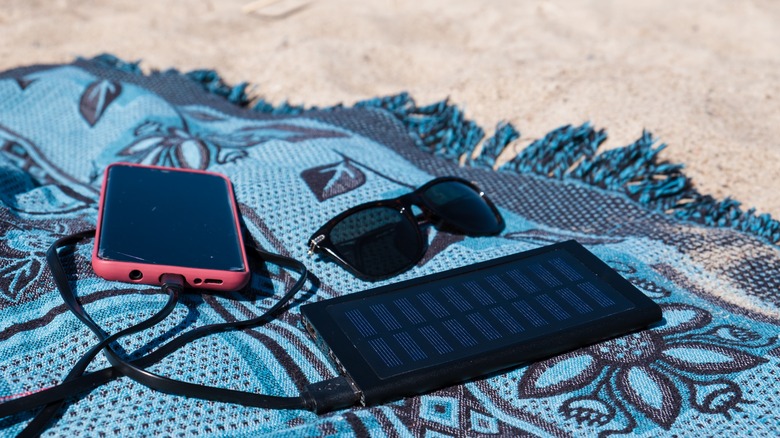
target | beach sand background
[{"x": 702, "y": 75}]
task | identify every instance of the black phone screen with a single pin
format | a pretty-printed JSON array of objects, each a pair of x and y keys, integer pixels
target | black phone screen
[{"x": 169, "y": 217}]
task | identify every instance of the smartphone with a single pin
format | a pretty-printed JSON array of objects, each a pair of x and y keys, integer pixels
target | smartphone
[
  {"x": 156, "y": 220},
  {"x": 422, "y": 334}
]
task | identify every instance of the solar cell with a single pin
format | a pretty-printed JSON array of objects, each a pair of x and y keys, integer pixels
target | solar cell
[{"x": 449, "y": 326}]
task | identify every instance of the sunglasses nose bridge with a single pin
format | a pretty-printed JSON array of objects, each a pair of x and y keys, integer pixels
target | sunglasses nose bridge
[{"x": 425, "y": 216}]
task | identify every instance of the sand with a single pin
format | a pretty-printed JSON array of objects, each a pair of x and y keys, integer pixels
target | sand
[{"x": 702, "y": 75}]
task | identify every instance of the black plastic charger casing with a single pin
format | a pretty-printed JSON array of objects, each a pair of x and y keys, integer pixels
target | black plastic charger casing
[{"x": 375, "y": 389}]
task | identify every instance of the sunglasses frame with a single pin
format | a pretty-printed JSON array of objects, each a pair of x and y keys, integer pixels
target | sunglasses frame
[{"x": 320, "y": 240}]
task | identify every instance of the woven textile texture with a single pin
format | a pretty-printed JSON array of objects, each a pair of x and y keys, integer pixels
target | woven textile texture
[{"x": 711, "y": 368}]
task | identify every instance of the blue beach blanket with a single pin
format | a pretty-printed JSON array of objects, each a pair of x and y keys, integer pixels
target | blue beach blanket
[{"x": 711, "y": 368}]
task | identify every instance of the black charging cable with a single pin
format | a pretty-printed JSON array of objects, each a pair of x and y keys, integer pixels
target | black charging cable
[
  {"x": 44, "y": 417},
  {"x": 172, "y": 286},
  {"x": 319, "y": 397}
]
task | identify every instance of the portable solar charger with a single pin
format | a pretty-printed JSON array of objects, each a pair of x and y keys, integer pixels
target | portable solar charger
[{"x": 426, "y": 333}]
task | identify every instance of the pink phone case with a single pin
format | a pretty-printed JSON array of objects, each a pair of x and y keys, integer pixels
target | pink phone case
[{"x": 151, "y": 273}]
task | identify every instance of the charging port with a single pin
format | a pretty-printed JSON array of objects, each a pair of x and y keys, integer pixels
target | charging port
[{"x": 212, "y": 281}]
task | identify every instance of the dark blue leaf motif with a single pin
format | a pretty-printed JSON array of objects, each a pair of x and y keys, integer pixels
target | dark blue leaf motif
[
  {"x": 96, "y": 99},
  {"x": 333, "y": 179},
  {"x": 21, "y": 253},
  {"x": 24, "y": 82},
  {"x": 17, "y": 275}
]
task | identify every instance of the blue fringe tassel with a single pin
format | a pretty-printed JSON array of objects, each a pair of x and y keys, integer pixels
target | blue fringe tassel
[
  {"x": 112, "y": 61},
  {"x": 567, "y": 152},
  {"x": 493, "y": 146},
  {"x": 636, "y": 170},
  {"x": 263, "y": 106},
  {"x": 439, "y": 128},
  {"x": 212, "y": 82},
  {"x": 555, "y": 153}
]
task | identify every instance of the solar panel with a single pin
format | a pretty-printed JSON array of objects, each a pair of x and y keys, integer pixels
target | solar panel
[{"x": 421, "y": 334}]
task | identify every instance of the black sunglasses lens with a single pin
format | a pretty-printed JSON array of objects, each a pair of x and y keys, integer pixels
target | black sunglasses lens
[
  {"x": 377, "y": 241},
  {"x": 460, "y": 205}
]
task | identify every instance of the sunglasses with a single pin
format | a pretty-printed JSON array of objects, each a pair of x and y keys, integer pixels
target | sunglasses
[{"x": 380, "y": 239}]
